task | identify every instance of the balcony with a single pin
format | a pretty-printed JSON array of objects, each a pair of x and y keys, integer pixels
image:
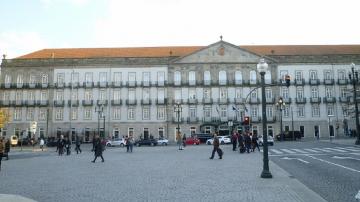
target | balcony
[
  {"x": 161, "y": 101},
  {"x": 116, "y": 84},
  {"x": 210, "y": 119},
  {"x": 192, "y": 101},
  {"x": 131, "y": 102},
  {"x": 18, "y": 103},
  {"x": 102, "y": 84},
  {"x": 59, "y": 103},
  {"x": 239, "y": 100},
  {"x": 224, "y": 119},
  {"x": 287, "y": 100},
  {"x": 43, "y": 103},
  {"x": 160, "y": 83},
  {"x": 271, "y": 119},
  {"x": 192, "y": 119},
  {"x": 254, "y": 101},
  {"x": 300, "y": 100},
  {"x": 131, "y": 83},
  {"x": 343, "y": 81},
  {"x": 44, "y": 85},
  {"x": 19, "y": 85},
  {"x": 299, "y": 82},
  {"x": 176, "y": 120},
  {"x": 5, "y": 103},
  {"x": 315, "y": 100},
  {"x": 74, "y": 85},
  {"x": 344, "y": 99},
  {"x": 32, "y": 85},
  {"x": 30, "y": 103},
  {"x": 223, "y": 82},
  {"x": 102, "y": 102},
  {"x": 255, "y": 119},
  {"x": 329, "y": 81},
  {"x": 314, "y": 81},
  {"x": 238, "y": 82},
  {"x": 192, "y": 82},
  {"x": 207, "y": 82},
  {"x": 116, "y": 102},
  {"x": 177, "y": 101},
  {"x": 59, "y": 85},
  {"x": 87, "y": 102},
  {"x": 270, "y": 100},
  {"x": 207, "y": 100},
  {"x": 329, "y": 99},
  {"x": 223, "y": 100},
  {"x": 7, "y": 85},
  {"x": 88, "y": 84},
  {"x": 145, "y": 83},
  {"x": 146, "y": 102},
  {"x": 73, "y": 103},
  {"x": 254, "y": 82}
]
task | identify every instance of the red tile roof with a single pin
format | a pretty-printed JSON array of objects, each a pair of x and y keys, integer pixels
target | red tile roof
[{"x": 184, "y": 50}]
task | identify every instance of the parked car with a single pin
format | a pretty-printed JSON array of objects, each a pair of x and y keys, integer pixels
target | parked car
[
  {"x": 222, "y": 140},
  {"x": 14, "y": 140},
  {"x": 203, "y": 137},
  {"x": 162, "y": 141},
  {"x": 270, "y": 140},
  {"x": 150, "y": 142},
  {"x": 116, "y": 142},
  {"x": 288, "y": 135},
  {"x": 192, "y": 141}
]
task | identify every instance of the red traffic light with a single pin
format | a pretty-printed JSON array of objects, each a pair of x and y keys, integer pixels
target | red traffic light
[{"x": 246, "y": 120}]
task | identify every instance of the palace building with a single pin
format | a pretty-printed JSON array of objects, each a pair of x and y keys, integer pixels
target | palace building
[{"x": 149, "y": 91}]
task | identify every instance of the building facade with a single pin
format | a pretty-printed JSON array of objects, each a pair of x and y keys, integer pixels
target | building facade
[{"x": 123, "y": 91}]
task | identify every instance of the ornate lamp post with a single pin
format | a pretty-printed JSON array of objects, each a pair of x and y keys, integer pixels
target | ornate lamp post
[
  {"x": 178, "y": 110},
  {"x": 354, "y": 78},
  {"x": 262, "y": 67},
  {"x": 100, "y": 112},
  {"x": 281, "y": 106}
]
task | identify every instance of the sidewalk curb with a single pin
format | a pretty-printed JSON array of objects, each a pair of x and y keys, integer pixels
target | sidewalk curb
[{"x": 14, "y": 198}]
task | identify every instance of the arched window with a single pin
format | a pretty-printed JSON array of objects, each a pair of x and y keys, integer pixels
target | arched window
[
  {"x": 192, "y": 78},
  {"x": 20, "y": 79},
  {"x": 268, "y": 77},
  {"x": 7, "y": 79},
  {"x": 207, "y": 78},
  {"x": 177, "y": 78},
  {"x": 44, "y": 78},
  {"x": 238, "y": 77},
  {"x": 252, "y": 77},
  {"x": 222, "y": 78}
]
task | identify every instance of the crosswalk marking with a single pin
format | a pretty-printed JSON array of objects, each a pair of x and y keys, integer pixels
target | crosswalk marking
[
  {"x": 300, "y": 151},
  {"x": 288, "y": 151},
  {"x": 351, "y": 149},
  {"x": 276, "y": 151},
  {"x": 323, "y": 150},
  {"x": 319, "y": 151},
  {"x": 338, "y": 150},
  {"x": 311, "y": 150}
]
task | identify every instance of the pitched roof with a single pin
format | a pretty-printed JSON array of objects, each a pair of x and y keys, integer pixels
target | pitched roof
[{"x": 184, "y": 50}]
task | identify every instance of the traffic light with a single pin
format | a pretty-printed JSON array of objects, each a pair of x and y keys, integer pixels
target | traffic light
[
  {"x": 287, "y": 80},
  {"x": 246, "y": 120}
]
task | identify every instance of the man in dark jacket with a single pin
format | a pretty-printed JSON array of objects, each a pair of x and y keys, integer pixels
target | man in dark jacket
[
  {"x": 247, "y": 142},
  {"x": 77, "y": 144},
  {"x": 7, "y": 149},
  {"x": 98, "y": 149},
  {"x": 234, "y": 139},
  {"x": 216, "y": 148},
  {"x": 60, "y": 145}
]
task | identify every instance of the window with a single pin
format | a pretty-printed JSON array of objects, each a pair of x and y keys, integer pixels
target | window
[
  {"x": 254, "y": 112},
  {"x": 161, "y": 133},
  {"x": 59, "y": 95},
  {"x": 268, "y": 93},
  {"x": 238, "y": 77},
  {"x": 327, "y": 74},
  {"x": 269, "y": 112},
  {"x": 286, "y": 111},
  {"x": 116, "y": 95},
  {"x": 207, "y": 78},
  {"x": 146, "y": 113},
  {"x": 88, "y": 95},
  {"x": 192, "y": 112},
  {"x": 102, "y": 95},
  {"x": 238, "y": 93},
  {"x": 192, "y": 94},
  {"x": 17, "y": 114},
  {"x": 299, "y": 92},
  {"x": 343, "y": 92},
  {"x": 60, "y": 78},
  {"x": 223, "y": 93},
  {"x": 32, "y": 79},
  {"x": 177, "y": 78},
  {"x": 130, "y": 131},
  {"x": 30, "y": 114},
  {"x": 161, "y": 93},
  {"x": 341, "y": 74},
  {"x": 131, "y": 113},
  {"x": 283, "y": 73},
  {"x": 44, "y": 78},
  {"x": 88, "y": 77},
  {"x": 20, "y": 79},
  {"x": 192, "y": 79},
  {"x": 117, "y": 77},
  {"x": 252, "y": 77},
  {"x": 314, "y": 92},
  {"x": 161, "y": 113},
  {"x": 298, "y": 76},
  {"x": 192, "y": 130},
  {"x": 285, "y": 93},
  {"x": 161, "y": 78},
  {"x": 330, "y": 110},
  {"x": 59, "y": 114},
  {"x": 207, "y": 112},
  {"x": 103, "y": 77},
  {"x": 207, "y": 94},
  {"x": 222, "y": 77},
  {"x": 7, "y": 79},
  {"x": 345, "y": 113},
  {"x": 146, "y": 77},
  {"x": 177, "y": 94},
  {"x": 223, "y": 111},
  {"x": 74, "y": 113},
  {"x": 87, "y": 113},
  {"x": 74, "y": 94},
  {"x": 42, "y": 114},
  {"x": 6, "y": 95},
  {"x": 267, "y": 77},
  {"x": 116, "y": 113},
  {"x": 31, "y": 95},
  {"x": 18, "y": 95},
  {"x": 43, "y": 95},
  {"x": 315, "y": 110},
  {"x": 313, "y": 75},
  {"x": 146, "y": 93},
  {"x": 131, "y": 94},
  {"x": 253, "y": 95},
  {"x": 301, "y": 111},
  {"x": 329, "y": 92},
  {"x": 75, "y": 77}
]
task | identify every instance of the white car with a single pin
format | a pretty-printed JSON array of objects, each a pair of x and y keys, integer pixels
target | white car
[
  {"x": 163, "y": 142},
  {"x": 116, "y": 142},
  {"x": 270, "y": 140},
  {"x": 222, "y": 140}
]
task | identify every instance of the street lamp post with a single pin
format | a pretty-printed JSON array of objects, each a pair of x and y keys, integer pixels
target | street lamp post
[
  {"x": 100, "y": 112},
  {"x": 262, "y": 67},
  {"x": 354, "y": 78},
  {"x": 178, "y": 110},
  {"x": 281, "y": 105}
]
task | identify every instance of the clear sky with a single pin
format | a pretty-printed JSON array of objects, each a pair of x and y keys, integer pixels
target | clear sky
[{"x": 30, "y": 25}]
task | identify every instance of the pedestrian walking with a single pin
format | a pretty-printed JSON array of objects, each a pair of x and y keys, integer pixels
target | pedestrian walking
[
  {"x": 216, "y": 148},
  {"x": 7, "y": 149},
  {"x": 184, "y": 140},
  {"x": 98, "y": 149},
  {"x": 179, "y": 140},
  {"x": 60, "y": 145},
  {"x": 131, "y": 143},
  {"x": 2, "y": 150},
  {"x": 42, "y": 142},
  {"x": 234, "y": 140},
  {"x": 77, "y": 145},
  {"x": 67, "y": 146},
  {"x": 247, "y": 140},
  {"x": 241, "y": 143},
  {"x": 254, "y": 141},
  {"x": 127, "y": 143}
]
